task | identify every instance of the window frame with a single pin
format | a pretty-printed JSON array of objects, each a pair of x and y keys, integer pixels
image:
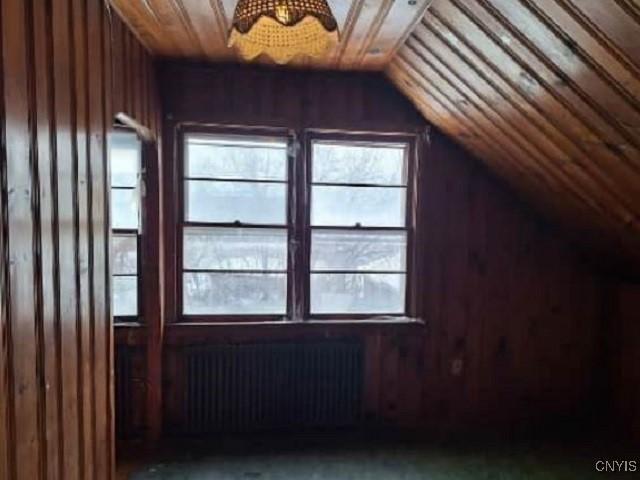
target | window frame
[
  {"x": 183, "y": 223},
  {"x": 298, "y": 218},
  {"x": 137, "y": 232},
  {"x": 410, "y": 225}
]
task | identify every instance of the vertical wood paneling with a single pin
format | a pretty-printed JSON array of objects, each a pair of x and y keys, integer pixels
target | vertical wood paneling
[
  {"x": 84, "y": 318},
  {"x": 23, "y": 388},
  {"x": 511, "y": 311},
  {"x": 48, "y": 217},
  {"x": 108, "y": 359},
  {"x": 64, "y": 142},
  {"x": 623, "y": 326},
  {"x": 99, "y": 365},
  {"x": 551, "y": 87},
  {"x": 6, "y": 400},
  {"x": 56, "y": 110}
]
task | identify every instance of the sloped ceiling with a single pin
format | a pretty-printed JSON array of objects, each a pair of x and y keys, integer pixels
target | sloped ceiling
[{"x": 547, "y": 93}]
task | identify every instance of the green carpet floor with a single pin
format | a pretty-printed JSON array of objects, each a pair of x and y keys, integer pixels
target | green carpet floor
[{"x": 316, "y": 458}]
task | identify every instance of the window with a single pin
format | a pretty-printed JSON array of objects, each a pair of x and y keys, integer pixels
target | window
[
  {"x": 235, "y": 231},
  {"x": 125, "y": 159},
  {"x": 323, "y": 233},
  {"x": 358, "y": 228}
]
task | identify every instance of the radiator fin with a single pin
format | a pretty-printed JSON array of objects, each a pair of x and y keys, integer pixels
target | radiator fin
[{"x": 247, "y": 387}]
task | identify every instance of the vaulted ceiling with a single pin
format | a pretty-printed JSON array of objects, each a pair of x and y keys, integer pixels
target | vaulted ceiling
[{"x": 546, "y": 92}]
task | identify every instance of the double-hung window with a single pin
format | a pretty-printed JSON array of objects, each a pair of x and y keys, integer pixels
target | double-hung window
[
  {"x": 125, "y": 160},
  {"x": 235, "y": 229},
  {"x": 269, "y": 230},
  {"x": 358, "y": 228}
]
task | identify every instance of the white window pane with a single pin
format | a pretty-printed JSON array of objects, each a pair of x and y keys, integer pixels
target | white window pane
[
  {"x": 360, "y": 293},
  {"x": 125, "y": 159},
  {"x": 368, "y": 206},
  {"x": 234, "y": 294},
  {"x": 124, "y": 251},
  {"x": 226, "y": 202},
  {"x": 216, "y": 157},
  {"x": 235, "y": 249},
  {"x": 124, "y": 208},
  {"x": 352, "y": 163},
  {"x": 337, "y": 250},
  {"x": 125, "y": 296}
]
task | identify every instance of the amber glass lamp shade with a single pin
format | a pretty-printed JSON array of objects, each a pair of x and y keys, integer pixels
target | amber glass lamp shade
[{"x": 283, "y": 29}]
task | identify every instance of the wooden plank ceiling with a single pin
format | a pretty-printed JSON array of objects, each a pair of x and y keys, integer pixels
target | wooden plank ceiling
[
  {"x": 371, "y": 30},
  {"x": 547, "y": 92}
]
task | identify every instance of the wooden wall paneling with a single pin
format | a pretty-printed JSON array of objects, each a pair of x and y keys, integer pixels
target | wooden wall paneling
[
  {"x": 84, "y": 314},
  {"x": 624, "y": 330},
  {"x": 527, "y": 123},
  {"x": 390, "y": 366},
  {"x": 563, "y": 139},
  {"x": 557, "y": 78},
  {"x": 108, "y": 110},
  {"x": 505, "y": 152},
  {"x": 24, "y": 306},
  {"x": 433, "y": 108},
  {"x": 170, "y": 217},
  {"x": 515, "y": 140},
  {"x": 100, "y": 332},
  {"x": 235, "y": 94},
  {"x": 55, "y": 328},
  {"x": 505, "y": 67},
  {"x": 477, "y": 357},
  {"x": 6, "y": 426},
  {"x": 531, "y": 183},
  {"x": 65, "y": 151},
  {"x": 600, "y": 75},
  {"x": 152, "y": 277},
  {"x": 5, "y": 453},
  {"x": 390, "y": 33},
  {"x": 135, "y": 95},
  {"x": 126, "y": 54},
  {"x": 613, "y": 25},
  {"x": 43, "y": 73},
  {"x": 505, "y": 298},
  {"x": 372, "y": 372}
]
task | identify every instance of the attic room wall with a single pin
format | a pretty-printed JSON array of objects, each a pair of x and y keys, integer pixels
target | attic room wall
[
  {"x": 512, "y": 315},
  {"x": 624, "y": 348},
  {"x": 241, "y": 95},
  {"x": 55, "y": 331}
]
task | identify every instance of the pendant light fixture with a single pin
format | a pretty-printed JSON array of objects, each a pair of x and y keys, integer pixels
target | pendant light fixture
[{"x": 282, "y": 29}]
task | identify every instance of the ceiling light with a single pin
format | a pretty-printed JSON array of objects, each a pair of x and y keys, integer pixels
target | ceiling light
[{"x": 283, "y": 29}]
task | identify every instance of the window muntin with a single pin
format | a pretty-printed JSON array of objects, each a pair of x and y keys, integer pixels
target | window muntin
[
  {"x": 125, "y": 160},
  {"x": 359, "y": 231},
  {"x": 235, "y": 233}
]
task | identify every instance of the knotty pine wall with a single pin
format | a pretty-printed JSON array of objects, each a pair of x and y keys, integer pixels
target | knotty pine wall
[
  {"x": 512, "y": 313},
  {"x": 515, "y": 321},
  {"x": 624, "y": 351},
  {"x": 67, "y": 67}
]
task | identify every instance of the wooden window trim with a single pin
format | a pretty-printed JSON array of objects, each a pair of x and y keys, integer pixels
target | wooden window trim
[
  {"x": 410, "y": 220},
  {"x": 298, "y": 223},
  {"x": 182, "y": 223}
]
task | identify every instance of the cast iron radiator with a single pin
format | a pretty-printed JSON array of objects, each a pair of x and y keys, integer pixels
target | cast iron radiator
[{"x": 273, "y": 386}]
